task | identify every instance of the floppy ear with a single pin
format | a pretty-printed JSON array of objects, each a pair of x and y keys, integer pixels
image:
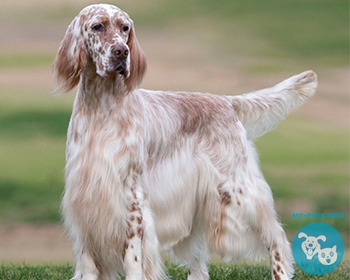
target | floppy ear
[
  {"x": 321, "y": 237},
  {"x": 301, "y": 235},
  {"x": 138, "y": 62},
  {"x": 71, "y": 58}
]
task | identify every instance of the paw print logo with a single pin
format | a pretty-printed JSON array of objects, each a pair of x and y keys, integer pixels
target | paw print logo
[{"x": 318, "y": 248}]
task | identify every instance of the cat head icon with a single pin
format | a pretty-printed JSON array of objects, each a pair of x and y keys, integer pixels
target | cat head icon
[{"x": 328, "y": 256}]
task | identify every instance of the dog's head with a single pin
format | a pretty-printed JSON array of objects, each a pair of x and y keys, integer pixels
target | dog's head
[
  {"x": 310, "y": 245},
  {"x": 101, "y": 36}
]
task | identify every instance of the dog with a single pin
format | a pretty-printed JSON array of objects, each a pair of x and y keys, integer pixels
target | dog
[
  {"x": 310, "y": 245},
  {"x": 162, "y": 170}
]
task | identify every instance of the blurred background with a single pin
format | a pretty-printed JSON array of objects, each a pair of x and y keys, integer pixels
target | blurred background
[{"x": 222, "y": 47}]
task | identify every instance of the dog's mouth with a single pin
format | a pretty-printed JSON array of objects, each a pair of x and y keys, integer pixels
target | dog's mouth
[
  {"x": 310, "y": 251},
  {"x": 114, "y": 69},
  {"x": 121, "y": 68},
  {"x": 124, "y": 73}
]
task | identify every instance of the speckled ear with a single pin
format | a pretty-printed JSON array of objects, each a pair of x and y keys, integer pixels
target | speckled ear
[
  {"x": 71, "y": 58},
  {"x": 138, "y": 62}
]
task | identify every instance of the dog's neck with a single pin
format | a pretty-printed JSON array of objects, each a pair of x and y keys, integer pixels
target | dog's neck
[{"x": 96, "y": 92}]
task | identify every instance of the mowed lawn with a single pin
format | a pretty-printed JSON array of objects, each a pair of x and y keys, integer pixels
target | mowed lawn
[
  {"x": 216, "y": 272},
  {"x": 203, "y": 45}
]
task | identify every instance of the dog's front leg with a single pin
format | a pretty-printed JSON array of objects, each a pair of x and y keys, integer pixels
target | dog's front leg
[
  {"x": 134, "y": 196},
  {"x": 133, "y": 257},
  {"x": 133, "y": 246}
]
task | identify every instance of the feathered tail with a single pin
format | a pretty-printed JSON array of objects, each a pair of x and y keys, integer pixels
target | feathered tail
[{"x": 261, "y": 111}]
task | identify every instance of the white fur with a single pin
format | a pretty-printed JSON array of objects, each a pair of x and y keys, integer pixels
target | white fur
[{"x": 150, "y": 170}]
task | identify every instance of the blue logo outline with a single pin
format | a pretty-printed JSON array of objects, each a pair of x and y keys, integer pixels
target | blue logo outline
[{"x": 318, "y": 248}]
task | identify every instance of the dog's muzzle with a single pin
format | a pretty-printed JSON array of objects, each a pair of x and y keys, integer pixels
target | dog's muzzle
[{"x": 120, "y": 60}]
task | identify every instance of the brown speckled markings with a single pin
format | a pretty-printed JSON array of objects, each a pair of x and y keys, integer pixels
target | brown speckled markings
[
  {"x": 225, "y": 201},
  {"x": 278, "y": 265},
  {"x": 150, "y": 170}
]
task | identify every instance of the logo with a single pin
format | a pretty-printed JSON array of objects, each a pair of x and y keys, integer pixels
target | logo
[{"x": 318, "y": 248}]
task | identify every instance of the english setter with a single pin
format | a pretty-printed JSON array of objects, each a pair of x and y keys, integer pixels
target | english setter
[{"x": 151, "y": 170}]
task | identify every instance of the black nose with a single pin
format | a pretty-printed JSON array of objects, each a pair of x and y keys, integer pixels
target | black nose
[{"x": 120, "y": 51}]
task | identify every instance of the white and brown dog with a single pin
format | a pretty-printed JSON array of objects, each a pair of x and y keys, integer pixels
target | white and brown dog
[{"x": 150, "y": 170}]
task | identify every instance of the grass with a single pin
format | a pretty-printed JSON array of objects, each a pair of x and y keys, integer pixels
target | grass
[
  {"x": 34, "y": 124},
  {"x": 24, "y": 60},
  {"x": 316, "y": 33},
  {"x": 305, "y": 160},
  {"x": 310, "y": 150},
  {"x": 217, "y": 272}
]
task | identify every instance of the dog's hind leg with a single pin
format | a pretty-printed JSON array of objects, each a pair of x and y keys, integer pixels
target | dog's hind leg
[
  {"x": 274, "y": 238},
  {"x": 152, "y": 263},
  {"x": 192, "y": 251},
  {"x": 85, "y": 268},
  {"x": 197, "y": 270},
  {"x": 281, "y": 257}
]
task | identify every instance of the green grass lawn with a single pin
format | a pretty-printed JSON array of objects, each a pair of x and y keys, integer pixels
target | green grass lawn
[
  {"x": 216, "y": 272},
  {"x": 270, "y": 29}
]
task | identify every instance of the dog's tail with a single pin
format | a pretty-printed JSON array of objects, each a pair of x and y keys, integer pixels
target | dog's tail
[{"x": 261, "y": 111}]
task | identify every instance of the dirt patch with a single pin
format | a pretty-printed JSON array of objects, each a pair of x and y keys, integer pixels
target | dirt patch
[{"x": 34, "y": 244}]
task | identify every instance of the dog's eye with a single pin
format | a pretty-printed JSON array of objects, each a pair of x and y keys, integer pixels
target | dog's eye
[
  {"x": 125, "y": 28},
  {"x": 97, "y": 27}
]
